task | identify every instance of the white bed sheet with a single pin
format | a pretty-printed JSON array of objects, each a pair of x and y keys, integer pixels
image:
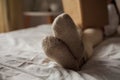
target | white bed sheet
[{"x": 22, "y": 58}]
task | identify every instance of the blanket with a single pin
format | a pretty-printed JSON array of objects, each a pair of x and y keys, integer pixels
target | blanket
[{"x": 22, "y": 58}]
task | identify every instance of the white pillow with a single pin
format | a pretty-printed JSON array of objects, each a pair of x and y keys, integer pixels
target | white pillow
[
  {"x": 113, "y": 20},
  {"x": 118, "y": 30},
  {"x": 118, "y": 4}
]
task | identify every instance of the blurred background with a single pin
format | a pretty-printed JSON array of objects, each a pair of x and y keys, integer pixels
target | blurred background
[
  {"x": 54, "y": 6},
  {"x": 19, "y": 14}
]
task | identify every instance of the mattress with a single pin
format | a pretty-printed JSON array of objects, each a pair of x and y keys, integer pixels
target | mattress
[{"x": 22, "y": 58}]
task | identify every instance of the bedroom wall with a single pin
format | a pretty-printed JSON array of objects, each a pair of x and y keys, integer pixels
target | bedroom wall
[{"x": 40, "y": 5}]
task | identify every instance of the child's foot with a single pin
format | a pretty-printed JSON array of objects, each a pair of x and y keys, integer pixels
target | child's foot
[
  {"x": 65, "y": 29},
  {"x": 58, "y": 51}
]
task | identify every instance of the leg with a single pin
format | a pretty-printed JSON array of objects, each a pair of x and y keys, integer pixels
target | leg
[
  {"x": 58, "y": 51},
  {"x": 65, "y": 29},
  {"x": 91, "y": 37}
]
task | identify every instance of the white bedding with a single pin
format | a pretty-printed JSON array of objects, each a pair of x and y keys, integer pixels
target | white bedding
[{"x": 22, "y": 58}]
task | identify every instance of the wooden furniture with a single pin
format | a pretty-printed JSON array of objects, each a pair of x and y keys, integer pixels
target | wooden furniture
[
  {"x": 11, "y": 15},
  {"x": 4, "y": 27},
  {"x": 49, "y": 15},
  {"x": 87, "y": 13}
]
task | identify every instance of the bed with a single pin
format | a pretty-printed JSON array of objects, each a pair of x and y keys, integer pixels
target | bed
[{"x": 22, "y": 58}]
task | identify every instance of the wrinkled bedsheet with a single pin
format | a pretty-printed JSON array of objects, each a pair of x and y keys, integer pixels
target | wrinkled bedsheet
[{"x": 22, "y": 58}]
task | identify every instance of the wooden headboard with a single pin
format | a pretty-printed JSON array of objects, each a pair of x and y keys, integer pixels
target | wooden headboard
[{"x": 87, "y": 13}]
